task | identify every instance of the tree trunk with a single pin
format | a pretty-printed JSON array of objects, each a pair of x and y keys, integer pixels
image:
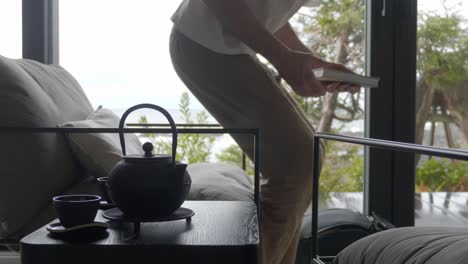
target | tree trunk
[
  {"x": 433, "y": 128},
  {"x": 447, "y": 129},
  {"x": 330, "y": 99},
  {"x": 448, "y": 195},
  {"x": 464, "y": 126},
  {"x": 424, "y": 96},
  {"x": 457, "y": 105},
  {"x": 328, "y": 112}
]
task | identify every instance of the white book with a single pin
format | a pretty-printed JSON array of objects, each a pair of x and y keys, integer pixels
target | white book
[{"x": 325, "y": 74}]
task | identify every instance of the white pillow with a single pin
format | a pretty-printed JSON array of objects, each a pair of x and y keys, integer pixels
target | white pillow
[{"x": 98, "y": 153}]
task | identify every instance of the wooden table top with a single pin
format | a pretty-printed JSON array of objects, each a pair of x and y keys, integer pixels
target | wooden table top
[{"x": 219, "y": 232}]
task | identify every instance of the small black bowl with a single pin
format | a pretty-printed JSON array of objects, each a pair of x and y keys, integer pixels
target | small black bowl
[{"x": 78, "y": 209}]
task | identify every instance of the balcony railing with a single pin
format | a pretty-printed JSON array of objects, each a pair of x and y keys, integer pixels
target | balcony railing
[{"x": 370, "y": 142}]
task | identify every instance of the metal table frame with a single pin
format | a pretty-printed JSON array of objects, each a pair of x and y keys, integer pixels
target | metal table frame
[
  {"x": 369, "y": 142},
  {"x": 156, "y": 129}
]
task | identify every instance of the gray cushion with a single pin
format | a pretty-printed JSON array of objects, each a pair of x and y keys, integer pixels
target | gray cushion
[
  {"x": 35, "y": 167},
  {"x": 100, "y": 152},
  {"x": 219, "y": 181},
  {"x": 428, "y": 245}
]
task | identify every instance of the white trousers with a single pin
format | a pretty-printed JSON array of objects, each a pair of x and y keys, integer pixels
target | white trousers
[{"x": 239, "y": 92}]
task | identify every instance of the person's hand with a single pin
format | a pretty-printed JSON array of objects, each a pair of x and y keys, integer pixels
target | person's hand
[
  {"x": 296, "y": 69},
  {"x": 332, "y": 87}
]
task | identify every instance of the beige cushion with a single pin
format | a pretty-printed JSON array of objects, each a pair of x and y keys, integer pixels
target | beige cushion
[
  {"x": 100, "y": 152},
  {"x": 35, "y": 167}
]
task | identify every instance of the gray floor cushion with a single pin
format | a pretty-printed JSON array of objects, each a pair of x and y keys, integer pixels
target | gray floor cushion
[{"x": 428, "y": 245}]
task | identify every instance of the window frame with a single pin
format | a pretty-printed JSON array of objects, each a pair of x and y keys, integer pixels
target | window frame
[
  {"x": 390, "y": 109},
  {"x": 40, "y": 30}
]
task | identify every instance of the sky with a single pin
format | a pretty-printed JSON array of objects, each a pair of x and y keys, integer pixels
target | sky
[
  {"x": 118, "y": 49},
  {"x": 121, "y": 53}
]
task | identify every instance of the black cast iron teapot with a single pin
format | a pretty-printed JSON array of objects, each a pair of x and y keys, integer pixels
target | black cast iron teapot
[{"x": 148, "y": 186}]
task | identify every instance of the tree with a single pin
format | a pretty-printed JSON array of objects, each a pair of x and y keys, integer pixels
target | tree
[
  {"x": 442, "y": 72},
  {"x": 336, "y": 33},
  {"x": 441, "y": 92},
  {"x": 435, "y": 175},
  {"x": 191, "y": 148},
  {"x": 233, "y": 155},
  {"x": 343, "y": 170}
]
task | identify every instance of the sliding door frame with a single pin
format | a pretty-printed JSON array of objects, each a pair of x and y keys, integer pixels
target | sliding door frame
[
  {"x": 40, "y": 30},
  {"x": 390, "y": 109}
]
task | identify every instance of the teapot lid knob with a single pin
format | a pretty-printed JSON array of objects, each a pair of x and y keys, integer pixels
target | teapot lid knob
[{"x": 148, "y": 148}]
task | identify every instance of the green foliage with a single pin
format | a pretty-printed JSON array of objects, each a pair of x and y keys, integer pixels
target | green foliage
[
  {"x": 338, "y": 16},
  {"x": 144, "y": 120},
  {"x": 436, "y": 175},
  {"x": 335, "y": 22},
  {"x": 343, "y": 169},
  {"x": 442, "y": 49},
  {"x": 184, "y": 108},
  {"x": 442, "y": 64},
  {"x": 335, "y": 32},
  {"x": 233, "y": 155},
  {"x": 191, "y": 148}
]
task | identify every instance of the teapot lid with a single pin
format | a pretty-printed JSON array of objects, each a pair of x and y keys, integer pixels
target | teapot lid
[{"x": 148, "y": 156}]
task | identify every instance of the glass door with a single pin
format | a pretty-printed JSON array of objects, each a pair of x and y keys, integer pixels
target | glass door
[
  {"x": 336, "y": 31},
  {"x": 442, "y": 112}
]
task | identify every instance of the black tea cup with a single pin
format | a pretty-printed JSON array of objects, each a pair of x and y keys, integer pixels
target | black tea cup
[{"x": 78, "y": 209}]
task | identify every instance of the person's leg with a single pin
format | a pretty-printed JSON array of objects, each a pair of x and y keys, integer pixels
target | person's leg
[
  {"x": 240, "y": 93},
  {"x": 290, "y": 253}
]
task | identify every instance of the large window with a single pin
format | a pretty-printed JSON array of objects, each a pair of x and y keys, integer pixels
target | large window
[
  {"x": 118, "y": 51},
  {"x": 11, "y": 29},
  {"x": 336, "y": 31},
  {"x": 442, "y": 115}
]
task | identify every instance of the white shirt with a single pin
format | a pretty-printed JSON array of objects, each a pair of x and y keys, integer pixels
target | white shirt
[{"x": 196, "y": 21}]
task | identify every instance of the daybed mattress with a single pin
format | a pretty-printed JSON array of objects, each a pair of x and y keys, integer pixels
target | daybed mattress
[{"x": 418, "y": 245}]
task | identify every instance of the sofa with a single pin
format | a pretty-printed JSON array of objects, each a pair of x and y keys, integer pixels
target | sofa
[{"x": 36, "y": 166}]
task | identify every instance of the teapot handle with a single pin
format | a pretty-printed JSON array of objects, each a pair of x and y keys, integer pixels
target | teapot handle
[{"x": 157, "y": 108}]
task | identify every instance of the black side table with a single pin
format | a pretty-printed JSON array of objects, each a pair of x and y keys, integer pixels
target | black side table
[{"x": 219, "y": 232}]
